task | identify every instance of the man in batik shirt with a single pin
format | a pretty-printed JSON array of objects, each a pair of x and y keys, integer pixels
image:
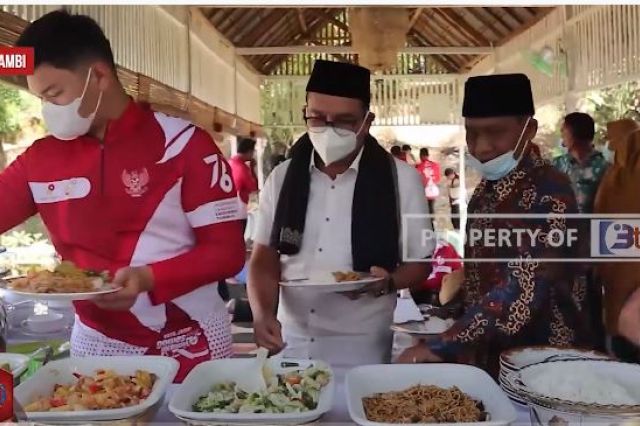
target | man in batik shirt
[
  {"x": 516, "y": 303},
  {"x": 584, "y": 164}
]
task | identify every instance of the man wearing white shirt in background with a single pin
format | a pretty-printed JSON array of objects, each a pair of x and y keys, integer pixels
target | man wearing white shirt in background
[{"x": 337, "y": 205}]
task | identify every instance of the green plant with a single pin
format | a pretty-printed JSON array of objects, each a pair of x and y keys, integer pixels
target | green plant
[{"x": 611, "y": 104}]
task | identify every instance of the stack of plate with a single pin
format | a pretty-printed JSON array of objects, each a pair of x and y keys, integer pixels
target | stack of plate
[
  {"x": 580, "y": 391},
  {"x": 514, "y": 360}
]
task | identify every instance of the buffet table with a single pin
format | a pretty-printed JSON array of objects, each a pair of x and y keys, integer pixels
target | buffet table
[{"x": 406, "y": 310}]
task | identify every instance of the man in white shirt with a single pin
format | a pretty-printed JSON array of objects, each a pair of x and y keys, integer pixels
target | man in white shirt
[{"x": 337, "y": 205}]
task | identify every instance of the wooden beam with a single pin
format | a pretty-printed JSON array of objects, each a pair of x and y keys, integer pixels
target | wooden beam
[
  {"x": 445, "y": 61},
  {"x": 333, "y": 20},
  {"x": 459, "y": 21},
  {"x": 343, "y": 50},
  {"x": 477, "y": 13},
  {"x": 266, "y": 28},
  {"x": 414, "y": 18},
  {"x": 434, "y": 26},
  {"x": 498, "y": 18},
  {"x": 313, "y": 27},
  {"x": 514, "y": 15},
  {"x": 231, "y": 20},
  {"x": 251, "y": 21},
  {"x": 302, "y": 21},
  {"x": 525, "y": 27}
]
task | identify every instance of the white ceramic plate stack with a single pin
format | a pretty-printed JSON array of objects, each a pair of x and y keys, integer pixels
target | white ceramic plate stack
[
  {"x": 514, "y": 360},
  {"x": 367, "y": 380},
  {"x": 588, "y": 390},
  {"x": 202, "y": 378}
]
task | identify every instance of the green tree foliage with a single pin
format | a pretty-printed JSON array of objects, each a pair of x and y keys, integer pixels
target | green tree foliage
[{"x": 612, "y": 104}]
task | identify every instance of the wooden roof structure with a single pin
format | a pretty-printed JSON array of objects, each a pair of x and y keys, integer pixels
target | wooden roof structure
[{"x": 460, "y": 29}]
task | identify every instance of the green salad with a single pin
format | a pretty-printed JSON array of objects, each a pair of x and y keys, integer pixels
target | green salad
[{"x": 292, "y": 392}]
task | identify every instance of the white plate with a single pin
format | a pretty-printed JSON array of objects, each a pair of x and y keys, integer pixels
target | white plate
[
  {"x": 368, "y": 380},
  {"x": 205, "y": 375},
  {"x": 576, "y": 374},
  {"x": 515, "y": 359},
  {"x": 18, "y": 362},
  {"x": 62, "y": 297},
  {"x": 433, "y": 325},
  {"x": 41, "y": 384},
  {"x": 330, "y": 285}
]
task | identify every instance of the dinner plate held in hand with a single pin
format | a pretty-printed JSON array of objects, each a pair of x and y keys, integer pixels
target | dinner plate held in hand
[
  {"x": 326, "y": 284},
  {"x": 430, "y": 326},
  {"x": 104, "y": 288}
]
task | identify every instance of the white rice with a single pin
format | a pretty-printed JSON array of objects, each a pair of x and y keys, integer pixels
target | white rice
[{"x": 577, "y": 383}]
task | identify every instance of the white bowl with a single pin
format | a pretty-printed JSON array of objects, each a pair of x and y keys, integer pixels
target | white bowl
[
  {"x": 41, "y": 384},
  {"x": 368, "y": 380},
  {"x": 18, "y": 362},
  {"x": 202, "y": 378},
  {"x": 47, "y": 323}
]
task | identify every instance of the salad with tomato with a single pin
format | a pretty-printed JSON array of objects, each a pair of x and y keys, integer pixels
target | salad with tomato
[{"x": 292, "y": 392}]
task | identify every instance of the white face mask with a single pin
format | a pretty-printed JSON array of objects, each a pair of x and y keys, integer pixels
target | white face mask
[
  {"x": 500, "y": 166},
  {"x": 64, "y": 122},
  {"x": 332, "y": 147}
]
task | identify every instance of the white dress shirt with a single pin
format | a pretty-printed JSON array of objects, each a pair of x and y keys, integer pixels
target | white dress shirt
[{"x": 329, "y": 326}]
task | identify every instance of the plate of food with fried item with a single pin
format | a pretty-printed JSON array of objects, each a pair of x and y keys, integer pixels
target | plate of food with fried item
[
  {"x": 66, "y": 282},
  {"x": 333, "y": 282}
]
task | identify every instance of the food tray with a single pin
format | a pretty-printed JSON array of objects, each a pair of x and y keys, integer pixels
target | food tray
[
  {"x": 205, "y": 375},
  {"x": 42, "y": 383}
]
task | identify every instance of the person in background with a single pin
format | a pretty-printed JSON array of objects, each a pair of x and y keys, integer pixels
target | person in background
[
  {"x": 453, "y": 189},
  {"x": 336, "y": 206},
  {"x": 617, "y": 194},
  {"x": 430, "y": 172},
  {"x": 243, "y": 166},
  {"x": 123, "y": 189},
  {"x": 445, "y": 260},
  {"x": 396, "y": 151},
  {"x": 408, "y": 155},
  {"x": 584, "y": 164},
  {"x": 514, "y": 303},
  {"x": 585, "y": 167}
]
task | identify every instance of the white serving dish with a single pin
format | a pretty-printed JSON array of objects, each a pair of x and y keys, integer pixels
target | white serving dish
[
  {"x": 368, "y": 380},
  {"x": 41, "y": 384},
  {"x": 18, "y": 362},
  {"x": 202, "y": 378}
]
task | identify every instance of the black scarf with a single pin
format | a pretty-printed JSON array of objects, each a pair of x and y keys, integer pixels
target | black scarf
[{"x": 374, "y": 216}]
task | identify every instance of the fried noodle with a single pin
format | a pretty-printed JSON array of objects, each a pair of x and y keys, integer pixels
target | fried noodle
[{"x": 423, "y": 404}]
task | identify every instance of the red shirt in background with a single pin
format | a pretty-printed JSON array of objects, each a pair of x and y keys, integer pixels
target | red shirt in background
[
  {"x": 244, "y": 178},
  {"x": 429, "y": 170},
  {"x": 445, "y": 260}
]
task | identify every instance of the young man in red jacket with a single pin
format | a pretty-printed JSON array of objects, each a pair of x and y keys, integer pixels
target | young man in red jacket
[{"x": 147, "y": 197}]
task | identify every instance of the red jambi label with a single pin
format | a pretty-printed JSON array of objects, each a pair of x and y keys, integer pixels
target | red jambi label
[
  {"x": 6, "y": 396},
  {"x": 16, "y": 60}
]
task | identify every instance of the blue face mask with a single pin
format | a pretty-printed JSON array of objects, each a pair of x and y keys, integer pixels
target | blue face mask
[
  {"x": 608, "y": 153},
  {"x": 500, "y": 166}
]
